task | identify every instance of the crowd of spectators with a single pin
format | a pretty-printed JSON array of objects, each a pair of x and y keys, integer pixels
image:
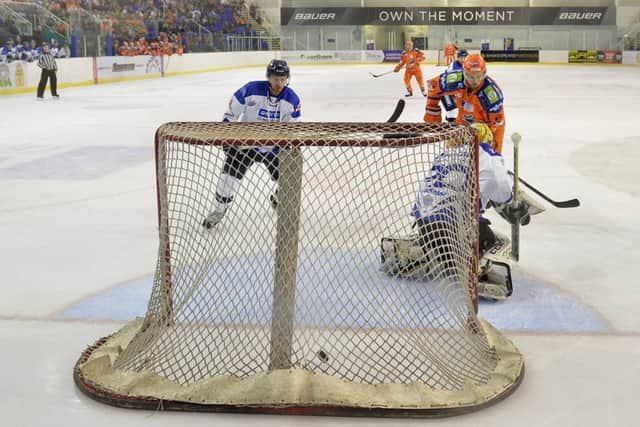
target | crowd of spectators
[
  {"x": 165, "y": 25},
  {"x": 28, "y": 50},
  {"x": 164, "y": 45}
]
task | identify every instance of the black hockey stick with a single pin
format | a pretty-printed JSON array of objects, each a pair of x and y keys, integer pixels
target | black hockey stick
[
  {"x": 572, "y": 203},
  {"x": 398, "y": 110},
  {"x": 381, "y": 74}
]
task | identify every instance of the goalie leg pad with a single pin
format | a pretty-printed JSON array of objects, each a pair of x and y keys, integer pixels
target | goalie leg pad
[
  {"x": 403, "y": 256},
  {"x": 496, "y": 283},
  {"x": 495, "y": 270}
]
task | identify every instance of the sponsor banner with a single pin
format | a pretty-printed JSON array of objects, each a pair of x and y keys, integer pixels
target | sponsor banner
[
  {"x": 595, "y": 56},
  {"x": 373, "y": 56},
  {"x": 297, "y": 56},
  {"x": 14, "y": 75},
  {"x": 610, "y": 56},
  {"x": 116, "y": 67},
  {"x": 448, "y": 15},
  {"x": 631, "y": 57},
  {"x": 510, "y": 55},
  {"x": 392, "y": 55}
]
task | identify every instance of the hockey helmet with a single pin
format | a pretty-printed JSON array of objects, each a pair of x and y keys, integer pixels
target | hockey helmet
[
  {"x": 474, "y": 64},
  {"x": 278, "y": 67},
  {"x": 474, "y": 69},
  {"x": 462, "y": 54}
]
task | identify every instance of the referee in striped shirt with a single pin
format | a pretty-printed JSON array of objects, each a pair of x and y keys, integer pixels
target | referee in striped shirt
[{"x": 47, "y": 62}]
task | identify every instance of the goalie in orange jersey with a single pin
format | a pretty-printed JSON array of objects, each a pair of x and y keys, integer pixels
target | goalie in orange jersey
[
  {"x": 410, "y": 59},
  {"x": 468, "y": 96}
]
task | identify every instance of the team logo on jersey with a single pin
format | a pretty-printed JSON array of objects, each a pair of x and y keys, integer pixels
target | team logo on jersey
[
  {"x": 491, "y": 94},
  {"x": 269, "y": 114},
  {"x": 453, "y": 78}
]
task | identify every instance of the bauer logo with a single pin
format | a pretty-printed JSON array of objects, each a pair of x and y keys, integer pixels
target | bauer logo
[
  {"x": 580, "y": 17},
  {"x": 314, "y": 17}
]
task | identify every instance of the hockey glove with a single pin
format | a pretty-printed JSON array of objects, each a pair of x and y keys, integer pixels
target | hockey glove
[{"x": 515, "y": 214}]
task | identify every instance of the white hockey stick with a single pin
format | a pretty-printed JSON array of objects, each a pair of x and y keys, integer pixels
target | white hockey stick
[{"x": 381, "y": 74}]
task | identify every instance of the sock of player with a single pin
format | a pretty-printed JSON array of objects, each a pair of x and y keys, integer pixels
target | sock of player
[{"x": 226, "y": 189}]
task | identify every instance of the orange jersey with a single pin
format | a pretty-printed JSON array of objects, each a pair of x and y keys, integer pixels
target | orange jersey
[
  {"x": 411, "y": 59},
  {"x": 450, "y": 50},
  {"x": 484, "y": 104}
]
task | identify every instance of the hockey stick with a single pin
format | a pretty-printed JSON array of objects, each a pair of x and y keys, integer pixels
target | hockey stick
[
  {"x": 571, "y": 203},
  {"x": 515, "y": 226},
  {"x": 381, "y": 74},
  {"x": 398, "y": 110}
]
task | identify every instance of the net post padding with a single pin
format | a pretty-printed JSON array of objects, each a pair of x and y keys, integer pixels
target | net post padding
[
  {"x": 289, "y": 391},
  {"x": 284, "y": 289},
  {"x": 288, "y": 310}
]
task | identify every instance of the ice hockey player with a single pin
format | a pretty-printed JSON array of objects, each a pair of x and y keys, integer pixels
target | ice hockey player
[
  {"x": 431, "y": 251},
  {"x": 449, "y": 54},
  {"x": 270, "y": 100},
  {"x": 468, "y": 96},
  {"x": 411, "y": 59},
  {"x": 457, "y": 64}
]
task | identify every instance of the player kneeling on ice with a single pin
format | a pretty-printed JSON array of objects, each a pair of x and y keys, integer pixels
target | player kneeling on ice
[
  {"x": 431, "y": 252},
  {"x": 259, "y": 101}
]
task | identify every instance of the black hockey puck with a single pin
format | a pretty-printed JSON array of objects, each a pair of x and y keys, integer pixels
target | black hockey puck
[{"x": 323, "y": 356}]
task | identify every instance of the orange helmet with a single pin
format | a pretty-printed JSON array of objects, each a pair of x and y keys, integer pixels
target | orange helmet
[
  {"x": 474, "y": 64},
  {"x": 475, "y": 70}
]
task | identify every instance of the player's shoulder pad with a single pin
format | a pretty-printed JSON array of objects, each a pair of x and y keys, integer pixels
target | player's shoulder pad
[
  {"x": 451, "y": 80},
  {"x": 259, "y": 87},
  {"x": 490, "y": 95},
  {"x": 489, "y": 150},
  {"x": 292, "y": 98}
]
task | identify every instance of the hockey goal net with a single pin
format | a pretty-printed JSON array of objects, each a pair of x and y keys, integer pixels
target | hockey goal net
[{"x": 286, "y": 308}]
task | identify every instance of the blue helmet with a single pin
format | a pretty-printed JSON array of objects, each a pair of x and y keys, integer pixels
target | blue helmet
[
  {"x": 462, "y": 53},
  {"x": 278, "y": 67}
]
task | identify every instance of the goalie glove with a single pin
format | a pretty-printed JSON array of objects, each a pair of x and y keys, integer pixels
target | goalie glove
[
  {"x": 514, "y": 214},
  {"x": 522, "y": 212}
]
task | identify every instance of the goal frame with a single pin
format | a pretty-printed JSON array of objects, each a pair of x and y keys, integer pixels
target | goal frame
[{"x": 94, "y": 358}]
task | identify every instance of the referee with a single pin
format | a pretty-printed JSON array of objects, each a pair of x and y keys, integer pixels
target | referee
[{"x": 47, "y": 62}]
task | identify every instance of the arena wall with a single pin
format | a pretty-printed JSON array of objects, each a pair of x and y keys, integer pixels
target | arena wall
[{"x": 23, "y": 77}]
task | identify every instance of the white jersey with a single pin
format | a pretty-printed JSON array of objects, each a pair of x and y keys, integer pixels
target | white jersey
[
  {"x": 253, "y": 103},
  {"x": 446, "y": 184}
]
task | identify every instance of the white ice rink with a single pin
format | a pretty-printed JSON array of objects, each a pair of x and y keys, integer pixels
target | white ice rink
[{"x": 78, "y": 236}]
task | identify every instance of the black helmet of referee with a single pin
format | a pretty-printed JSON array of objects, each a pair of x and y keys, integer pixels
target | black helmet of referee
[{"x": 278, "y": 67}]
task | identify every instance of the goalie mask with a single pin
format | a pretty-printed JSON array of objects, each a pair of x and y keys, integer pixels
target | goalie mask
[{"x": 475, "y": 70}]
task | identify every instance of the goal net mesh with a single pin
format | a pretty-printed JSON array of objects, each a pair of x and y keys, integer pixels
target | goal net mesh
[{"x": 289, "y": 305}]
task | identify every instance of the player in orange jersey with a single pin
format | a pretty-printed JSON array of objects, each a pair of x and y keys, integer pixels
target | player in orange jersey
[
  {"x": 449, "y": 54},
  {"x": 411, "y": 58},
  {"x": 468, "y": 96}
]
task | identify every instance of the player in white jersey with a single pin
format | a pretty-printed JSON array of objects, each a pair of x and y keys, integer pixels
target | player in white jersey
[
  {"x": 270, "y": 100},
  {"x": 460, "y": 57},
  {"x": 436, "y": 210}
]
